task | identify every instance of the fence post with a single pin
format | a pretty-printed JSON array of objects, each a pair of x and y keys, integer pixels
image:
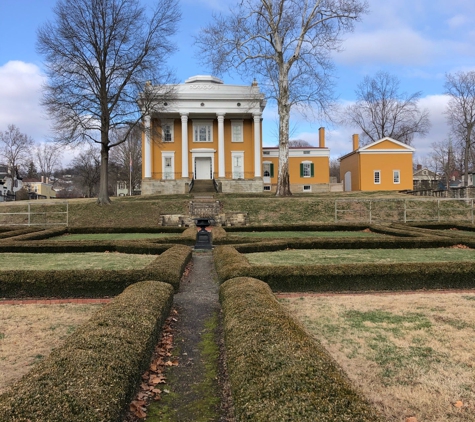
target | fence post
[{"x": 438, "y": 210}]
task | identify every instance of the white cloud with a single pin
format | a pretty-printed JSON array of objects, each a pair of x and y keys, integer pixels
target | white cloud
[
  {"x": 20, "y": 99},
  {"x": 402, "y": 46},
  {"x": 458, "y": 21}
]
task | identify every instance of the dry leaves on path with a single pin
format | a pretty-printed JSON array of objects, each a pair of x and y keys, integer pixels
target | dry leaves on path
[{"x": 155, "y": 375}]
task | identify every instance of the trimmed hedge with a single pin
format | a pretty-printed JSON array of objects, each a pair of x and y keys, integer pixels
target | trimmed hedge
[
  {"x": 170, "y": 265},
  {"x": 167, "y": 267},
  {"x": 348, "y": 277},
  {"x": 348, "y": 243},
  {"x": 124, "y": 246},
  {"x": 42, "y": 234},
  {"x": 18, "y": 232},
  {"x": 94, "y": 375},
  {"x": 299, "y": 227},
  {"x": 94, "y": 230},
  {"x": 276, "y": 370}
]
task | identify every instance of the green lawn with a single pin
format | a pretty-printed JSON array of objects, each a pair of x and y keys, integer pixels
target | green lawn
[
  {"x": 351, "y": 256},
  {"x": 74, "y": 261},
  {"x": 112, "y": 236},
  {"x": 288, "y": 234}
]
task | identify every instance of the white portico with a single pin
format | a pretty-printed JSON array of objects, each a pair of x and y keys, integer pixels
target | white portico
[{"x": 209, "y": 130}]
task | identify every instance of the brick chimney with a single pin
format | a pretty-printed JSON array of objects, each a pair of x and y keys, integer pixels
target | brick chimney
[
  {"x": 321, "y": 137},
  {"x": 356, "y": 142}
]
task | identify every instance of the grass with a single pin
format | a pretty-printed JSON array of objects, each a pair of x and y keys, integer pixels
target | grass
[
  {"x": 412, "y": 355},
  {"x": 112, "y": 236},
  {"x": 71, "y": 261},
  {"x": 30, "y": 332},
  {"x": 339, "y": 256},
  {"x": 298, "y": 234}
]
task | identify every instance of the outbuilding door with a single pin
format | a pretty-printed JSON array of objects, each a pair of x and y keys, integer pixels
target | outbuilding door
[{"x": 348, "y": 181}]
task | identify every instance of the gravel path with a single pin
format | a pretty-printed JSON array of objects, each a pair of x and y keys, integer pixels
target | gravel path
[{"x": 197, "y": 303}]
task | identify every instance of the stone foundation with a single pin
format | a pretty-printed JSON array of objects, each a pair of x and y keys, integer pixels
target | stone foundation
[
  {"x": 241, "y": 185},
  {"x": 165, "y": 187}
]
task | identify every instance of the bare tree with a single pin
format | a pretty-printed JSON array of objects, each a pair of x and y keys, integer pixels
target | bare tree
[
  {"x": 443, "y": 160},
  {"x": 87, "y": 166},
  {"x": 381, "y": 110},
  {"x": 47, "y": 158},
  {"x": 299, "y": 143},
  {"x": 288, "y": 44},
  {"x": 15, "y": 148},
  {"x": 460, "y": 87},
  {"x": 99, "y": 56},
  {"x": 128, "y": 159}
]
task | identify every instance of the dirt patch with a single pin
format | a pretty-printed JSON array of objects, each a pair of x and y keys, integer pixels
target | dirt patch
[
  {"x": 411, "y": 355},
  {"x": 28, "y": 333}
]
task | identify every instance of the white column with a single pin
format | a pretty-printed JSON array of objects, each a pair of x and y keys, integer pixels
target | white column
[
  {"x": 148, "y": 148},
  {"x": 184, "y": 145},
  {"x": 257, "y": 145},
  {"x": 221, "y": 169}
]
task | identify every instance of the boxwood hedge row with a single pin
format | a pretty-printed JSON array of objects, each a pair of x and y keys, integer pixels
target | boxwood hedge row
[
  {"x": 276, "y": 370},
  {"x": 348, "y": 277},
  {"x": 94, "y": 375},
  {"x": 348, "y": 243},
  {"x": 167, "y": 267}
]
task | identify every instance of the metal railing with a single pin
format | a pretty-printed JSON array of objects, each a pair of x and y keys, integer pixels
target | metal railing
[
  {"x": 37, "y": 213},
  {"x": 404, "y": 210}
]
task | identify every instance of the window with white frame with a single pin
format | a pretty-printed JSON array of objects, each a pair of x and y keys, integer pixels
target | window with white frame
[
  {"x": 266, "y": 187},
  {"x": 307, "y": 188},
  {"x": 306, "y": 169},
  {"x": 396, "y": 177},
  {"x": 268, "y": 169},
  {"x": 377, "y": 177},
  {"x": 203, "y": 131},
  {"x": 167, "y": 130},
  {"x": 236, "y": 131},
  {"x": 168, "y": 166}
]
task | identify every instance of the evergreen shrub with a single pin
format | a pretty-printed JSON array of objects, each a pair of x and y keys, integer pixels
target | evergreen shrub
[
  {"x": 94, "y": 375},
  {"x": 277, "y": 372}
]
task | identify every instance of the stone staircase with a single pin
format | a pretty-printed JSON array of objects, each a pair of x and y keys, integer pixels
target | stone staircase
[{"x": 203, "y": 188}]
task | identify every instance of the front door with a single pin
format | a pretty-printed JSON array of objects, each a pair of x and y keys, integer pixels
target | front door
[{"x": 203, "y": 168}]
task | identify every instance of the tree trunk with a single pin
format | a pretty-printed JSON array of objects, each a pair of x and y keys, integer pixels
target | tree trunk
[
  {"x": 283, "y": 179},
  {"x": 103, "y": 196}
]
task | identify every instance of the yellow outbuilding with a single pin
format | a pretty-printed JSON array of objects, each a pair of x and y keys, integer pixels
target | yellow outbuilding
[{"x": 382, "y": 165}]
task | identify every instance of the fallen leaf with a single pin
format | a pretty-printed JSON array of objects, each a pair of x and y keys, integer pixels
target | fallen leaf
[
  {"x": 411, "y": 419},
  {"x": 458, "y": 404}
]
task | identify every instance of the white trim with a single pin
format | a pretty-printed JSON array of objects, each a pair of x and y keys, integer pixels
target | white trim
[
  {"x": 398, "y": 177},
  {"x": 171, "y": 124},
  {"x": 165, "y": 155},
  {"x": 240, "y": 125},
  {"x": 405, "y": 146},
  {"x": 386, "y": 151},
  {"x": 203, "y": 123},
  {"x": 203, "y": 153},
  {"x": 257, "y": 145},
  {"x": 379, "y": 177},
  {"x": 237, "y": 174}
]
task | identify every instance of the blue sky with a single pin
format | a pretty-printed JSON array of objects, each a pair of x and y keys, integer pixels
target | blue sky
[{"x": 419, "y": 41}]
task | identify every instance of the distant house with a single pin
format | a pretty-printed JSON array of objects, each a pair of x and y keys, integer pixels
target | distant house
[
  {"x": 10, "y": 183},
  {"x": 122, "y": 188},
  {"x": 39, "y": 188},
  {"x": 424, "y": 178},
  {"x": 382, "y": 165}
]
